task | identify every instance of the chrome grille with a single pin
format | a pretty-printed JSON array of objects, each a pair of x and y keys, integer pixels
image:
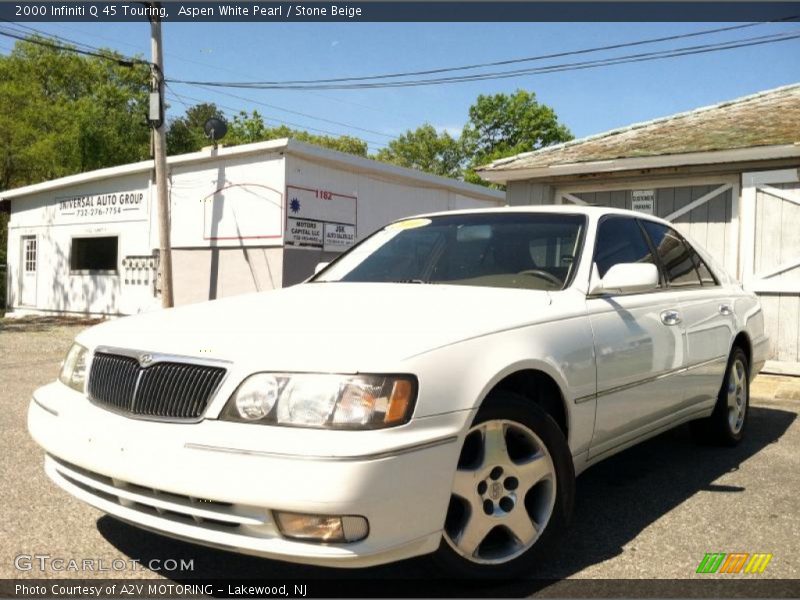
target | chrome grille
[{"x": 173, "y": 390}]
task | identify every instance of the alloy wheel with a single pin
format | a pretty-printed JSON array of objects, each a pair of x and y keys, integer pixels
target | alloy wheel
[
  {"x": 737, "y": 396},
  {"x": 504, "y": 491}
]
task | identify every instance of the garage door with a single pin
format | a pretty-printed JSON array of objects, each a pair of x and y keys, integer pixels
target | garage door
[{"x": 771, "y": 256}]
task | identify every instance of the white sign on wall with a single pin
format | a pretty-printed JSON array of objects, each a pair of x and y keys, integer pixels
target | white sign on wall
[
  {"x": 320, "y": 218},
  {"x": 113, "y": 206},
  {"x": 338, "y": 237},
  {"x": 304, "y": 232},
  {"x": 643, "y": 201}
]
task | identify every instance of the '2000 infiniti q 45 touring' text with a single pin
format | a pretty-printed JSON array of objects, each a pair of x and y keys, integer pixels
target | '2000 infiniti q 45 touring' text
[{"x": 434, "y": 390}]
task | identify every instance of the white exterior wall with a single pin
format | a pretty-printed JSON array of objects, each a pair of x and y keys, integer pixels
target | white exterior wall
[
  {"x": 380, "y": 197},
  {"x": 229, "y": 216},
  {"x": 228, "y": 202},
  {"x": 57, "y": 289}
]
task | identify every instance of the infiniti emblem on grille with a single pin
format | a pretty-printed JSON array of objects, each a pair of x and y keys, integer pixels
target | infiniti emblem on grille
[{"x": 145, "y": 360}]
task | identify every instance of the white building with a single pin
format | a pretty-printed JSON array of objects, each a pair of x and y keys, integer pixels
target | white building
[{"x": 243, "y": 219}]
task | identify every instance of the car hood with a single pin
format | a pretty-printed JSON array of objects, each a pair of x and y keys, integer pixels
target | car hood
[{"x": 343, "y": 327}]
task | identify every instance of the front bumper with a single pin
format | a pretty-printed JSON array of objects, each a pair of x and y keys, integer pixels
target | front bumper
[{"x": 218, "y": 483}]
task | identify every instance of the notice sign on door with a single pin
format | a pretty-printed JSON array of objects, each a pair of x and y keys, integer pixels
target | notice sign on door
[
  {"x": 643, "y": 201},
  {"x": 320, "y": 218}
]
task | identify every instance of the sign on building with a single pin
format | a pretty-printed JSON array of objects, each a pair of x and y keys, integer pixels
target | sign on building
[
  {"x": 643, "y": 201},
  {"x": 320, "y": 218},
  {"x": 123, "y": 205}
]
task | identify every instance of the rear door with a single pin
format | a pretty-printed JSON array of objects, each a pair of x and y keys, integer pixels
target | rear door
[
  {"x": 706, "y": 310},
  {"x": 639, "y": 344}
]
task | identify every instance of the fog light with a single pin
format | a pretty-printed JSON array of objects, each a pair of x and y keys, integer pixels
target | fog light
[{"x": 322, "y": 528}]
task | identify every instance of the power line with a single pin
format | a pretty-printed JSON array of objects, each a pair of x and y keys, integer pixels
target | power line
[
  {"x": 508, "y": 61},
  {"x": 302, "y": 114},
  {"x": 273, "y": 106},
  {"x": 59, "y": 43},
  {"x": 558, "y": 68},
  {"x": 220, "y": 68},
  {"x": 124, "y": 61},
  {"x": 272, "y": 117}
]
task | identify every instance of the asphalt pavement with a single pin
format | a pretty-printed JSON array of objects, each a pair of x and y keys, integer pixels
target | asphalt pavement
[{"x": 652, "y": 511}]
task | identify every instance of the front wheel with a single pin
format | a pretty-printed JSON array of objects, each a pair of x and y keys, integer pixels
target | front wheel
[{"x": 512, "y": 491}]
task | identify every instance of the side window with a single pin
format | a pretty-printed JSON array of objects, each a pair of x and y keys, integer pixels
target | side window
[
  {"x": 676, "y": 256},
  {"x": 702, "y": 269},
  {"x": 620, "y": 240}
]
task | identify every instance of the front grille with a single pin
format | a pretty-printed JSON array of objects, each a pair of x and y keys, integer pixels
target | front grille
[{"x": 173, "y": 390}]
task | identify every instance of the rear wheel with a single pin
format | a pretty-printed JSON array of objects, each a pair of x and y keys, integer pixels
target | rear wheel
[
  {"x": 726, "y": 424},
  {"x": 512, "y": 491}
]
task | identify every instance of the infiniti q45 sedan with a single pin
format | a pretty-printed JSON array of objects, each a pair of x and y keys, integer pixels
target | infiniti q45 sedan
[{"x": 435, "y": 390}]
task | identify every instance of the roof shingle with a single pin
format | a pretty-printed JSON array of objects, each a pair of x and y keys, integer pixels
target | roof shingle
[{"x": 769, "y": 118}]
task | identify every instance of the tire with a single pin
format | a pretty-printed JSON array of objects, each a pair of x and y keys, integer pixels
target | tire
[
  {"x": 727, "y": 423},
  {"x": 492, "y": 529}
]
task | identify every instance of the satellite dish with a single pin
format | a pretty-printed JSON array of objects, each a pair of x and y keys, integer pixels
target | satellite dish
[{"x": 215, "y": 129}]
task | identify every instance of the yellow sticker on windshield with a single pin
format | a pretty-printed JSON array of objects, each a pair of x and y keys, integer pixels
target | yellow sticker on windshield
[{"x": 409, "y": 224}]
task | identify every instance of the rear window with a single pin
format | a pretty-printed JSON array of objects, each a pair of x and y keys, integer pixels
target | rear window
[{"x": 682, "y": 265}]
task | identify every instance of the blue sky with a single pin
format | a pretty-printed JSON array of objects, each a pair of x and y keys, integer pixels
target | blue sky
[{"x": 588, "y": 101}]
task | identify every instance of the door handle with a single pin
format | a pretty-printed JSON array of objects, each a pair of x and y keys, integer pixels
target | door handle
[
  {"x": 725, "y": 309},
  {"x": 670, "y": 317}
]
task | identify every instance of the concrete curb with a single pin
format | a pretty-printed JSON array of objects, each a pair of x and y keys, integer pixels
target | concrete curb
[{"x": 777, "y": 387}]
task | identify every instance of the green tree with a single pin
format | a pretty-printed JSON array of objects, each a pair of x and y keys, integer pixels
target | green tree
[
  {"x": 500, "y": 125},
  {"x": 186, "y": 133},
  {"x": 246, "y": 128},
  {"x": 427, "y": 150},
  {"x": 503, "y": 125},
  {"x": 63, "y": 113}
]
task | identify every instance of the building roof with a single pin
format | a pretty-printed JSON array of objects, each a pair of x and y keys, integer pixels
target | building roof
[
  {"x": 769, "y": 119},
  {"x": 284, "y": 145}
]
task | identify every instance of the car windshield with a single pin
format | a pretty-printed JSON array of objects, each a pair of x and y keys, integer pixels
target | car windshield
[{"x": 514, "y": 250}]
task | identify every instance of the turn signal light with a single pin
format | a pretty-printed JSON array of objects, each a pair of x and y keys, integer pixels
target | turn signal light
[{"x": 322, "y": 528}]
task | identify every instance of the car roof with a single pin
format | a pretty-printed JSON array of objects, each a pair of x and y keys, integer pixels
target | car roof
[{"x": 593, "y": 211}]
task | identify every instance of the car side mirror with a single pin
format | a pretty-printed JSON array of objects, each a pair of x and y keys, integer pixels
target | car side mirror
[
  {"x": 625, "y": 278},
  {"x": 320, "y": 266}
]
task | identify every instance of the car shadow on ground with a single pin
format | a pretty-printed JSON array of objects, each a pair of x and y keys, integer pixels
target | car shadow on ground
[{"x": 615, "y": 501}]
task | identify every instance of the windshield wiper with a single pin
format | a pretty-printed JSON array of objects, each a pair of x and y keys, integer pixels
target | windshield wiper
[{"x": 409, "y": 281}]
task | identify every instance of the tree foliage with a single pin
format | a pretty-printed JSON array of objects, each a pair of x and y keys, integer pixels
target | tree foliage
[
  {"x": 427, "y": 150},
  {"x": 503, "y": 125},
  {"x": 500, "y": 125},
  {"x": 185, "y": 134},
  {"x": 63, "y": 113}
]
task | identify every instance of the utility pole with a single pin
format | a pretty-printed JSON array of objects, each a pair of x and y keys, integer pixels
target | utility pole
[{"x": 158, "y": 123}]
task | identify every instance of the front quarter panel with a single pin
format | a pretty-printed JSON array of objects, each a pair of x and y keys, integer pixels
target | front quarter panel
[{"x": 460, "y": 376}]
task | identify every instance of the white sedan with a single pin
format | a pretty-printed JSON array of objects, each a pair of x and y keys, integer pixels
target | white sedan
[{"x": 435, "y": 390}]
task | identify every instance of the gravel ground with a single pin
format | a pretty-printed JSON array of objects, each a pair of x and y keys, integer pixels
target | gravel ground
[{"x": 650, "y": 512}]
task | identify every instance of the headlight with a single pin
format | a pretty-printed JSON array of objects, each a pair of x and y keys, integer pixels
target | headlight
[
  {"x": 323, "y": 401},
  {"x": 73, "y": 370}
]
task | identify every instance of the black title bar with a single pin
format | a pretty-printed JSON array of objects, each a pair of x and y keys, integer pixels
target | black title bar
[{"x": 396, "y": 11}]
